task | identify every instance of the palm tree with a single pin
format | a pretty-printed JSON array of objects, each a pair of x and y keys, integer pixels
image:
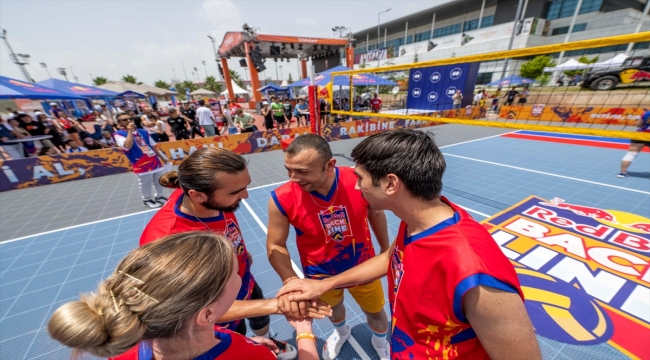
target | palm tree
[
  {"x": 161, "y": 84},
  {"x": 212, "y": 84},
  {"x": 289, "y": 79},
  {"x": 100, "y": 80},
  {"x": 130, "y": 79},
  {"x": 236, "y": 78},
  {"x": 180, "y": 88}
]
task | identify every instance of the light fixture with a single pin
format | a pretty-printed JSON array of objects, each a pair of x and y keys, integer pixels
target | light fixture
[
  {"x": 292, "y": 46},
  {"x": 299, "y": 46}
]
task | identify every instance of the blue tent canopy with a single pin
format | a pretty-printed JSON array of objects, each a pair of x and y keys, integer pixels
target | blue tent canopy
[
  {"x": 81, "y": 90},
  {"x": 357, "y": 79},
  {"x": 271, "y": 86},
  {"x": 131, "y": 94},
  {"x": 16, "y": 89},
  {"x": 513, "y": 80}
]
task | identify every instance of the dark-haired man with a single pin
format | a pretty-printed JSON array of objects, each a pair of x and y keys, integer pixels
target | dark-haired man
[
  {"x": 451, "y": 289},
  {"x": 206, "y": 119},
  {"x": 190, "y": 115},
  {"x": 178, "y": 124},
  {"x": 331, "y": 222}
]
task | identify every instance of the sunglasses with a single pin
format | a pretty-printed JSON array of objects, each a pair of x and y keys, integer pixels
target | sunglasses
[{"x": 124, "y": 119}]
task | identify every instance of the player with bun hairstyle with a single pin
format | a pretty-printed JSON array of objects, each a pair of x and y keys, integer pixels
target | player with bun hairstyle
[{"x": 161, "y": 302}]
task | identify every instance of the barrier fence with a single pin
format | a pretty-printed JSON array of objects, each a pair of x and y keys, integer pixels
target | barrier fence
[{"x": 590, "y": 87}]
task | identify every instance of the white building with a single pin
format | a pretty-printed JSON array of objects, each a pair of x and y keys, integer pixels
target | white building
[{"x": 468, "y": 27}]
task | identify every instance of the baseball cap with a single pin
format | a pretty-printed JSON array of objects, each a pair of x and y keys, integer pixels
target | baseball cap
[
  {"x": 265, "y": 102},
  {"x": 53, "y": 103}
]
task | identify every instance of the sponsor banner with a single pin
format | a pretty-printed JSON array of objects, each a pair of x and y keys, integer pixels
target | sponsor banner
[
  {"x": 359, "y": 128},
  {"x": 584, "y": 271},
  {"x": 432, "y": 88},
  {"x": 425, "y": 46},
  {"x": 372, "y": 55},
  {"x": 588, "y": 114},
  {"x": 44, "y": 170}
]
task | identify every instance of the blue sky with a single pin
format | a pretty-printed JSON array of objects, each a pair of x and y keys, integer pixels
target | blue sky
[{"x": 149, "y": 38}]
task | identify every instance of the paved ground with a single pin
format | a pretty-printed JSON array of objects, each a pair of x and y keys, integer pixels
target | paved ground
[{"x": 35, "y": 210}]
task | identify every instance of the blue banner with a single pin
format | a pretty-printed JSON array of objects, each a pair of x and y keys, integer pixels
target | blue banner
[{"x": 432, "y": 88}]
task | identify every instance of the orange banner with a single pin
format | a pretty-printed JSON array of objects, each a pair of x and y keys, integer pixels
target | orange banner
[{"x": 585, "y": 114}]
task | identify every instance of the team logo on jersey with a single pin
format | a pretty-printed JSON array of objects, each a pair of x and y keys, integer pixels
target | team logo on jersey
[
  {"x": 335, "y": 222},
  {"x": 584, "y": 271},
  {"x": 398, "y": 269},
  {"x": 234, "y": 235}
]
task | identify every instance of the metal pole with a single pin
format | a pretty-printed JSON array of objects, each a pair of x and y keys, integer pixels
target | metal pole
[
  {"x": 276, "y": 71},
  {"x": 385, "y": 34},
  {"x": 205, "y": 69},
  {"x": 44, "y": 65},
  {"x": 216, "y": 57},
  {"x": 20, "y": 64},
  {"x": 523, "y": 12},
  {"x": 638, "y": 27},
  {"x": 73, "y": 75},
  {"x": 367, "y": 41},
  {"x": 433, "y": 24},
  {"x": 512, "y": 35},
  {"x": 480, "y": 16},
  {"x": 568, "y": 35},
  {"x": 186, "y": 79},
  {"x": 406, "y": 32}
]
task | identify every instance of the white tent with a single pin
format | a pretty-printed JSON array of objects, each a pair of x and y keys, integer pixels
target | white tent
[
  {"x": 613, "y": 62},
  {"x": 236, "y": 89},
  {"x": 202, "y": 92},
  {"x": 571, "y": 64}
]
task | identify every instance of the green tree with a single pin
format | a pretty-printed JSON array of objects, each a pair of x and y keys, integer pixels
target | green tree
[
  {"x": 130, "y": 79},
  {"x": 234, "y": 76},
  {"x": 161, "y": 84},
  {"x": 100, "y": 80},
  {"x": 185, "y": 85},
  {"x": 584, "y": 60},
  {"x": 289, "y": 79},
  {"x": 534, "y": 69},
  {"x": 363, "y": 64},
  {"x": 212, "y": 84}
]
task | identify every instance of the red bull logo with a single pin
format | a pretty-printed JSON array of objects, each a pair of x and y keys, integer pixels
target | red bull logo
[
  {"x": 641, "y": 76},
  {"x": 20, "y": 83},
  {"x": 81, "y": 89},
  {"x": 234, "y": 235},
  {"x": 584, "y": 271},
  {"x": 335, "y": 223}
]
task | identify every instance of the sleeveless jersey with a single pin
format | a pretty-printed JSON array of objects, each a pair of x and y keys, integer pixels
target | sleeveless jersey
[
  {"x": 428, "y": 276},
  {"x": 645, "y": 124},
  {"x": 332, "y": 232},
  {"x": 233, "y": 346},
  {"x": 141, "y": 155},
  {"x": 170, "y": 220}
]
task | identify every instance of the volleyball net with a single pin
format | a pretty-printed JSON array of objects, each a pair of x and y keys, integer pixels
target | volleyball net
[{"x": 598, "y": 87}]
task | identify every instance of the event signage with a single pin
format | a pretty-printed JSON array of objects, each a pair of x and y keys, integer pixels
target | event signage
[
  {"x": 359, "y": 128},
  {"x": 575, "y": 114},
  {"x": 584, "y": 271},
  {"x": 432, "y": 88},
  {"x": 372, "y": 55}
]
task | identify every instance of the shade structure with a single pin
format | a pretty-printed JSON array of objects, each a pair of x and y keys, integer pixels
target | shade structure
[
  {"x": 131, "y": 94},
  {"x": 16, "y": 89},
  {"x": 236, "y": 89},
  {"x": 70, "y": 88},
  {"x": 571, "y": 64},
  {"x": 511, "y": 80},
  {"x": 202, "y": 92},
  {"x": 324, "y": 77},
  {"x": 613, "y": 62},
  {"x": 121, "y": 87},
  {"x": 272, "y": 86}
]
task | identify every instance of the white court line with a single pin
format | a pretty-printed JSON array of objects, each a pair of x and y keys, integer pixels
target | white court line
[
  {"x": 103, "y": 220},
  {"x": 471, "y": 141},
  {"x": 298, "y": 271},
  {"x": 549, "y": 174},
  {"x": 474, "y": 211}
]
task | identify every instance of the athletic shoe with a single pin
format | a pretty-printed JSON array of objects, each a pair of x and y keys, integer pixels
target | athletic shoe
[
  {"x": 287, "y": 351},
  {"x": 383, "y": 352},
  {"x": 621, "y": 175},
  {"x": 152, "y": 204},
  {"x": 161, "y": 199},
  {"x": 334, "y": 344}
]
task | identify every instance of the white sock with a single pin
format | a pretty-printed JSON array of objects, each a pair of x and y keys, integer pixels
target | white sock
[
  {"x": 379, "y": 341},
  {"x": 341, "y": 328}
]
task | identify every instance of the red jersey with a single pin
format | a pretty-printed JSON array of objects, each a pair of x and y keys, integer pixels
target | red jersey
[
  {"x": 428, "y": 276},
  {"x": 233, "y": 346},
  {"x": 170, "y": 220},
  {"x": 375, "y": 103},
  {"x": 332, "y": 232}
]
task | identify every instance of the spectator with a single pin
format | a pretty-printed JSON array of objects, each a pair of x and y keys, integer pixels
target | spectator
[
  {"x": 187, "y": 282},
  {"x": 510, "y": 96},
  {"x": 104, "y": 122},
  {"x": 74, "y": 148},
  {"x": 288, "y": 111},
  {"x": 244, "y": 121},
  {"x": 457, "y": 99},
  {"x": 301, "y": 111},
  {"x": 278, "y": 112},
  {"x": 15, "y": 151},
  {"x": 55, "y": 112},
  {"x": 92, "y": 144},
  {"x": 523, "y": 96},
  {"x": 560, "y": 81},
  {"x": 477, "y": 98},
  {"x": 148, "y": 121},
  {"x": 190, "y": 115},
  {"x": 35, "y": 128},
  {"x": 207, "y": 120},
  {"x": 358, "y": 104},
  {"x": 161, "y": 130},
  {"x": 146, "y": 160},
  {"x": 107, "y": 140},
  {"x": 495, "y": 100},
  {"x": 375, "y": 103},
  {"x": 324, "y": 106},
  {"x": 71, "y": 127},
  {"x": 107, "y": 112},
  {"x": 55, "y": 131},
  {"x": 178, "y": 125},
  {"x": 268, "y": 115}
]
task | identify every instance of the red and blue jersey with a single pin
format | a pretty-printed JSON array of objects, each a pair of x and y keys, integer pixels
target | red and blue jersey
[
  {"x": 141, "y": 155},
  {"x": 332, "y": 232},
  {"x": 645, "y": 124},
  {"x": 232, "y": 346},
  {"x": 428, "y": 276},
  {"x": 171, "y": 220}
]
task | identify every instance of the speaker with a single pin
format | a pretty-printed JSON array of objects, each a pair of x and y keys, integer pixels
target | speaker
[{"x": 242, "y": 63}]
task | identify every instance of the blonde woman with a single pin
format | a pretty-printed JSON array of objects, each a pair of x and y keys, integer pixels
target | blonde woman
[{"x": 162, "y": 302}]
